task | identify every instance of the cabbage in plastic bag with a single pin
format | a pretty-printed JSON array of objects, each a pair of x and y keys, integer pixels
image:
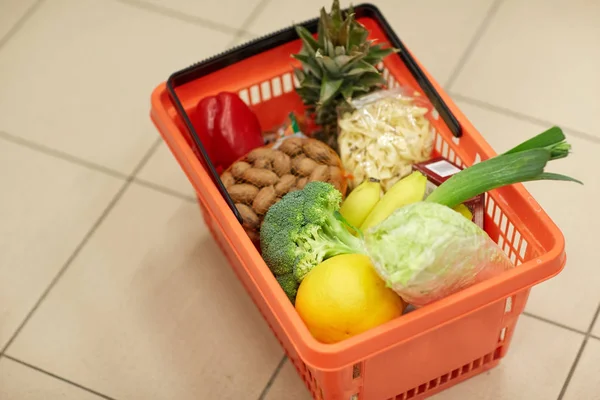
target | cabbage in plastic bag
[{"x": 426, "y": 251}]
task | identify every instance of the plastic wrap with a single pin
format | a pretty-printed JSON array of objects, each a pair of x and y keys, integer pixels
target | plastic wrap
[
  {"x": 387, "y": 132},
  {"x": 427, "y": 251}
]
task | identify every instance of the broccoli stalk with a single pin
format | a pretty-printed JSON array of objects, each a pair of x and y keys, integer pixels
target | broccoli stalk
[{"x": 301, "y": 231}]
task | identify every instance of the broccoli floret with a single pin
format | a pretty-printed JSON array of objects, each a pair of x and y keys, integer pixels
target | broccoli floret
[{"x": 301, "y": 231}]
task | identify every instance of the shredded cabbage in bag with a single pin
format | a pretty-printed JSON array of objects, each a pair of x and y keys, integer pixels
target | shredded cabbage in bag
[{"x": 426, "y": 251}]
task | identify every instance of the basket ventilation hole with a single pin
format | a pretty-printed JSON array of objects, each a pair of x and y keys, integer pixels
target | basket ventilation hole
[
  {"x": 508, "y": 305},
  {"x": 497, "y": 216},
  {"x": 422, "y": 389},
  {"x": 265, "y": 89},
  {"x": 513, "y": 258},
  {"x": 509, "y": 234},
  {"x": 433, "y": 383},
  {"x": 255, "y": 94},
  {"x": 356, "y": 371},
  {"x": 244, "y": 96},
  {"x": 466, "y": 368},
  {"x": 391, "y": 82},
  {"x": 435, "y": 114},
  {"x": 452, "y": 155},
  {"x": 491, "y": 204},
  {"x": 517, "y": 239},
  {"x": 502, "y": 334},
  {"x": 276, "y": 84},
  {"x": 445, "y": 150},
  {"x": 455, "y": 139},
  {"x": 438, "y": 143},
  {"x": 503, "y": 224},
  {"x": 523, "y": 248},
  {"x": 386, "y": 73},
  {"x": 458, "y": 161},
  {"x": 507, "y": 249},
  {"x": 498, "y": 353},
  {"x": 287, "y": 82},
  {"x": 500, "y": 241},
  {"x": 410, "y": 394},
  {"x": 477, "y": 159},
  {"x": 354, "y": 396}
]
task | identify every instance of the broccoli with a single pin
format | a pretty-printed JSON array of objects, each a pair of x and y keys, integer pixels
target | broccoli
[{"x": 301, "y": 231}]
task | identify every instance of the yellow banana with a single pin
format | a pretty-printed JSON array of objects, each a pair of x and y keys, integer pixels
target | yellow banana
[
  {"x": 464, "y": 210},
  {"x": 361, "y": 201},
  {"x": 407, "y": 190}
]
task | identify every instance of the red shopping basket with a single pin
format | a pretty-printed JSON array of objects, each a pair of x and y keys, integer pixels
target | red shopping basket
[{"x": 422, "y": 352}]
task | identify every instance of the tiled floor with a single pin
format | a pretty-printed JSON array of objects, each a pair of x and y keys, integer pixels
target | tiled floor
[{"x": 110, "y": 285}]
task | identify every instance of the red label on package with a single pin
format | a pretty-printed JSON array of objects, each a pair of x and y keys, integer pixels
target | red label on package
[{"x": 439, "y": 170}]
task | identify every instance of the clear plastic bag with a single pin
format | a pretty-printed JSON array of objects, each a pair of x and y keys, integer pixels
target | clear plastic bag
[
  {"x": 384, "y": 135},
  {"x": 427, "y": 251}
]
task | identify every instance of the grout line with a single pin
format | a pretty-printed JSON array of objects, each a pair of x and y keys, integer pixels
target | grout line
[
  {"x": 172, "y": 13},
  {"x": 563, "y": 390},
  {"x": 522, "y": 117},
  {"x": 20, "y": 23},
  {"x": 271, "y": 380},
  {"x": 23, "y": 363},
  {"x": 549, "y": 321},
  {"x": 82, "y": 244},
  {"x": 95, "y": 167},
  {"x": 256, "y": 11},
  {"x": 581, "y": 349},
  {"x": 66, "y": 265},
  {"x": 60, "y": 154},
  {"x": 481, "y": 29},
  {"x": 165, "y": 190}
]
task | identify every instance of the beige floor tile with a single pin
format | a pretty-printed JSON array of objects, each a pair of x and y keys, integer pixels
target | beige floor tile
[
  {"x": 10, "y": 13},
  {"x": 47, "y": 205},
  {"x": 18, "y": 382},
  {"x": 596, "y": 330},
  {"x": 78, "y": 76},
  {"x": 436, "y": 31},
  {"x": 534, "y": 368},
  {"x": 569, "y": 205},
  {"x": 540, "y": 58},
  {"x": 151, "y": 310},
  {"x": 163, "y": 169},
  {"x": 585, "y": 384},
  {"x": 288, "y": 385},
  {"x": 232, "y": 13}
]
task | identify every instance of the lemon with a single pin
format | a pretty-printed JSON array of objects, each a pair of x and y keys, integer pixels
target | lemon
[{"x": 343, "y": 296}]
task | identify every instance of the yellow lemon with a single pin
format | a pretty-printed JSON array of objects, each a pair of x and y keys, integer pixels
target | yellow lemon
[{"x": 343, "y": 296}]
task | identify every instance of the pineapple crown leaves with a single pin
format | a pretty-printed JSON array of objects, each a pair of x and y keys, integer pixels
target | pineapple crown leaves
[{"x": 338, "y": 65}]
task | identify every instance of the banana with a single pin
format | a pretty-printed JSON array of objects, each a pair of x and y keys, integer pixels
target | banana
[
  {"x": 407, "y": 190},
  {"x": 464, "y": 210},
  {"x": 361, "y": 201}
]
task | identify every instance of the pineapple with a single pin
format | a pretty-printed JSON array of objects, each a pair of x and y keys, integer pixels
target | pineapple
[{"x": 336, "y": 67}]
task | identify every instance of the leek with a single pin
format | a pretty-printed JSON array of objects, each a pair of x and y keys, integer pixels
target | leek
[{"x": 523, "y": 163}]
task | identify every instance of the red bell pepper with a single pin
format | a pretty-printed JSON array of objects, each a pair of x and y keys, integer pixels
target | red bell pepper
[{"x": 227, "y": 128}]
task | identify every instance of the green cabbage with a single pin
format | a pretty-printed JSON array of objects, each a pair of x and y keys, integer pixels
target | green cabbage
[{"x": 426, "y": 251}]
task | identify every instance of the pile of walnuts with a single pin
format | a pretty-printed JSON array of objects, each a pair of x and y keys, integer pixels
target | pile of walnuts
[{"x": 265, "y": 175}]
